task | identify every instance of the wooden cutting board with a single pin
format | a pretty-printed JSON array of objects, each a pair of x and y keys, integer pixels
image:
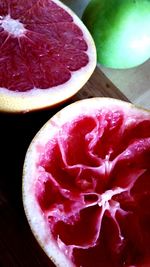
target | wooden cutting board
[{"x": 100, "y": 85}]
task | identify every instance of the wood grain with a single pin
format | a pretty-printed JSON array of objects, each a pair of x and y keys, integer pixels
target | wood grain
[
  {"x": 100, "y": 85},
  {"x": 18, "y": 248}
]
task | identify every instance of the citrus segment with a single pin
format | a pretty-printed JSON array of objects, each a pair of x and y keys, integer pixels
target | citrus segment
[
  {"x": 45, "y": 48},
  {"x": 86, "y": 187}
]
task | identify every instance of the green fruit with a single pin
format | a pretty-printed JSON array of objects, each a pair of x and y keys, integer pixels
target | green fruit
[{"x": 121, "y": 30}]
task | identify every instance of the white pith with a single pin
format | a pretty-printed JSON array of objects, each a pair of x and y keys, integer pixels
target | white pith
[
  {"x": 37, "y": 98},
  {"x": 12, "y": 26},
  {"x": 36, "y": 218}
]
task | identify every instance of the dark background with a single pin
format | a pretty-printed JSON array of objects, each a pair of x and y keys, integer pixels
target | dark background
[{"x": 17, "y": 244}]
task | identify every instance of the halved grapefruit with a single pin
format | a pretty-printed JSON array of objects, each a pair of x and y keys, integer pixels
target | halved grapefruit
[
  {"x": 86, "y": 185},
  {"x": 46, "y": 54}
]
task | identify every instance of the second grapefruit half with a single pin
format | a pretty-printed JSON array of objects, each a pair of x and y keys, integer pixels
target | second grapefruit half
[{"x": 46, "y": 54}]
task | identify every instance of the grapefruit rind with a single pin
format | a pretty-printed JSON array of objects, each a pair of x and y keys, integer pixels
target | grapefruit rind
[
  {"x": 35, "y": 99},
  {"x": 33, "y": 212}
]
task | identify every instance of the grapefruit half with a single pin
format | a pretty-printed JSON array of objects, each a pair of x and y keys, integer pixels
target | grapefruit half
[
  {"x": 46, "y": 54},
  {"x": 86, "y": 185}
]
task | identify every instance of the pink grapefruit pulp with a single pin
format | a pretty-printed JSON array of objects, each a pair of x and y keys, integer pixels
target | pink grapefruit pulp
[
  {"x": 46, "y": 54},
  {"x": 86, "y": 185}
]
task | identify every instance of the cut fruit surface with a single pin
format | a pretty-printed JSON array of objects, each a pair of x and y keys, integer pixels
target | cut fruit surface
[
  {"x": 46, "y": 54},
  {"x": 86, "y": 185}
]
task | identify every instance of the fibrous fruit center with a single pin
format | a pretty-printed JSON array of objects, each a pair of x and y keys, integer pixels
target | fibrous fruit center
[{"x": 12, "y": 26}]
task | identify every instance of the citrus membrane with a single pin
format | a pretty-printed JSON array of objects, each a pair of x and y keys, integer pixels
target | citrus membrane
[{"x": 86, "y": 185}]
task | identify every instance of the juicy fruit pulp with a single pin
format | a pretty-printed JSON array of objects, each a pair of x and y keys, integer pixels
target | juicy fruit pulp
[
  {"x": 43, "y": 45},
  {"x": 87, "y": 173},
  {"x": 121, "y": 31},
  {"x": 29, "y": 43}
]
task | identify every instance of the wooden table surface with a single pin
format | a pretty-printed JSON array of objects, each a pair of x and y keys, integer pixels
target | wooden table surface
[{"x": 18, "y": 248}]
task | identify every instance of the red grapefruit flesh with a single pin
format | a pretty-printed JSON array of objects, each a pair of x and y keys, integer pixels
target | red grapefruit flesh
[
  {"x": 86, "y": 185},
  {"x": 46, "y": 54}
]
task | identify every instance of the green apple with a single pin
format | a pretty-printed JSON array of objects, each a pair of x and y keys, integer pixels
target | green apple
[{"x": 121, "y": 31}]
